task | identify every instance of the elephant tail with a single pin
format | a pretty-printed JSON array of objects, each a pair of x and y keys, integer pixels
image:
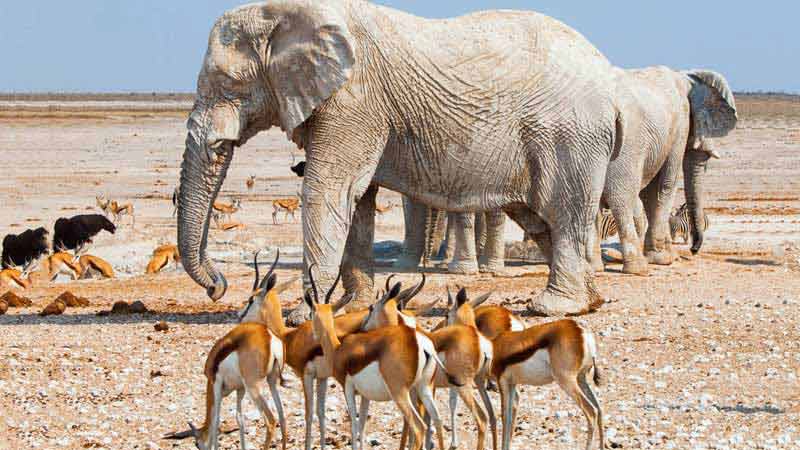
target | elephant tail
[{"x": 619, "y": 134}]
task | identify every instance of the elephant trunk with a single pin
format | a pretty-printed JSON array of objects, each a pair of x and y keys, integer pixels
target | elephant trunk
[
  {"x": 694, "y": 165},
  {"x": 202, "y": 173}
]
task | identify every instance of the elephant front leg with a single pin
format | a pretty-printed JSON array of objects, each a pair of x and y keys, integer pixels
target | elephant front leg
[
  {"x": 492, "y": 259},
  {"x": 331, "y": 194},
  {"x": 358, "y": 264},
  {"x": 464, "y": 259}
]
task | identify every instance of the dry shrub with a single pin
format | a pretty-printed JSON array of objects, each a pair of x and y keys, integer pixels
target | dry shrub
[
  {"x": 72, "y": 300},
  {"x": 13, "y": 300}
]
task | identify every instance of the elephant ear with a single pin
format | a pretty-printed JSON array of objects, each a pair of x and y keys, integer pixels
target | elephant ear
[
  {"x": 311, "y": 57},
  {"x": 712, "y": 104}
]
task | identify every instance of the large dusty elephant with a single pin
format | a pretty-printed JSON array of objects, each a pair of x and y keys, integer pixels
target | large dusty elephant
[
  {"x": 671, "y": 117},
  {"x": 378, "y": 97}
]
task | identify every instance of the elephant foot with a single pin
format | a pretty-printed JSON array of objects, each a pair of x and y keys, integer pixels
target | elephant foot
[
  {"x": 463, "y": 268},
  {"x": 300, "y": 314},
  {"x": 660, "y": 258},
  {"x": 493, "y": 267},
  {"x": 635, "y": 266},
  {"x": 550, "y": 304},
  {"x": 597, "y": 265}
]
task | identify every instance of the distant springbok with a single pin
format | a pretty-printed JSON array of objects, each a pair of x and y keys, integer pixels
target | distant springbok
[
  {"x": 288, "y": 205},
  {"x": 227, "y": 210},
  {"x": 116, "y": 209}
]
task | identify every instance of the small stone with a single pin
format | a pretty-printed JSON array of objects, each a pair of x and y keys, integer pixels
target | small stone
[{"x": 161, "y": 326}]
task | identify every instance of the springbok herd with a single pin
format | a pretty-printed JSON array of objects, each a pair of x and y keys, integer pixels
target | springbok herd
[{"x": 382, "y": 354}]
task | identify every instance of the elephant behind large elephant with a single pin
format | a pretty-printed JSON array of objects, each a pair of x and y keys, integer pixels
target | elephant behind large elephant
[
  {"x": 671, "y": 117},
  {"x": 378, "y": 97}
]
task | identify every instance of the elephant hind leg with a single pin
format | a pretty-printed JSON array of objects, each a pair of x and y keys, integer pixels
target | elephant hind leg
[{"x": 492, "y": 259}]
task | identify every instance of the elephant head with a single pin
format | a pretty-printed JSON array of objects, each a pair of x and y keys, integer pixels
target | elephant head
[
  {"x": 712, "y": 114},
  {"x": 266, "y": 65}
]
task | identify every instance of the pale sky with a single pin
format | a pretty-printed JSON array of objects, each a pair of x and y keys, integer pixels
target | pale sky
[{"x": 158, "y": 45}]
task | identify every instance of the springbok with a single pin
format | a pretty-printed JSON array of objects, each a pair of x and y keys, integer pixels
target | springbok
[
  {"x": 227, "y": 210},
  {"x": 91, "y": 265},
  {"x": 288, "y": 205},
  {"x": 385, "y": 364},
  {"x": 562, "y": 351},
  {"x": 303, "y": 353},
  {"x": 465, "y": 353},
  {"x": 251, "y": 182},
  {"x": 16, "y": 278},
  {"x": 161, "y": 257},
  {"x": 63, "y": 262},
  {"x": 240, "y": 361},
  {"x": 116, "y": 209}
]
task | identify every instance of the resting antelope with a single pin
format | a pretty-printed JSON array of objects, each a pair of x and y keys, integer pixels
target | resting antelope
[
  {"x": 62, "y": 262},
  {"x": 560, "y": 351},
  {"x": 91, "y": 265},
  {"x": 251, "y": 182},
  {"x": 227, "y": 210},
  {"x": 16, "y": 278},
  {"x": 232, "y": 226},
  {"x": 385, "y": 364},
  {"x": 288, "y": 205},
  {"x": 465, "y": 353},
  {"x": 241, "y": 361},
  {"x": 161, "y": 257}
]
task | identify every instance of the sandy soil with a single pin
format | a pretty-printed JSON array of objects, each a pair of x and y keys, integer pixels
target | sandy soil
[{"x": 701, "y": 354}]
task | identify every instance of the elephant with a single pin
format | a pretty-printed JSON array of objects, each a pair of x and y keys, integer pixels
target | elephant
[
  {"x": 672, "y": 117},
  {"x": 380, "y": 98},
  {"x": 473, "y": 242}
]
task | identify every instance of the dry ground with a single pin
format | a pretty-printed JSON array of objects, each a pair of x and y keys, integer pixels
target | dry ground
[{"x": 702, "y": 354}]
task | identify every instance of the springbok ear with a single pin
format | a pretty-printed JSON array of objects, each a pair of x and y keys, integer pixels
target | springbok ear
[
  {"x": 713, "y": 107},
  {"x": 480, "y": 299},
  {"x": 311, "y": 57},
  {"x": 461, "y": 298},
  {"x": 285, "y": 285}
]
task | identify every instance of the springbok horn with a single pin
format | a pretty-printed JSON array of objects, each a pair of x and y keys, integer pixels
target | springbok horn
[
  {"x": 333, "y": 288},
  {"x": 255, "y": 263},
  {"x": 271, "y": 269},
  {"x": 388, "y": 281},
  {"x": 313, "y": 284}
]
